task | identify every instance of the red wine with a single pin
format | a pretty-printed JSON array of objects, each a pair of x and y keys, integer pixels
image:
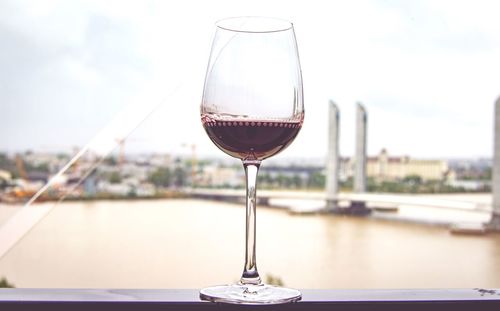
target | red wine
[{"x": 250, "y": 139}]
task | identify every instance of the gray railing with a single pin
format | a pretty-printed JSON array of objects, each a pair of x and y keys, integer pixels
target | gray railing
[{"x": 187, "y": 299}]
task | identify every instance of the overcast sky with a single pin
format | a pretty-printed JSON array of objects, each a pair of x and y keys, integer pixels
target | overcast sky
[{"x": 428, "y": 72}]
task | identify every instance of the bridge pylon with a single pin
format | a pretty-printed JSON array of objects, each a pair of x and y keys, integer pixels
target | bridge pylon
[
  {"x": 332, "y": 165},
  {"x": 494, "y": 223}
]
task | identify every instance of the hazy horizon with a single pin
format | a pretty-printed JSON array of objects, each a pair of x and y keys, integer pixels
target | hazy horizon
[
  {"x": 427, "y": 73},
  {"x": 220, "y": 156}
]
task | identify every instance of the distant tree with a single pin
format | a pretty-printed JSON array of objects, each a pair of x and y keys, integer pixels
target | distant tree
[
  {"x": 161, "y": 177},
  {"x": 371, "y": 184},
  {"x": 487, "y": 174},
  {"x": 4, "y": 283},
  {"x": 8, "y": 164},
  {"x": 42, "y": 167},
  {"x": 280, "y": 180},
  {"x": 348, "y": 184},
  {"x": 296, "y": 181},
  {"x": 274, "y": 280},
  {"x": 62, "y": 156},
  {"x": 4, "y": 160},
  {"x": 110, "y": 161},
  {"x": 132, "y": 193},
  {"x": 265, "y": 179},
  {"x": 391, "y": 186},
  {"x": 115, "y": 178},
  {"x": 413, "y": 179},
  {"x": 316, "y": 180},
  {"x": 180, "y": 177}
]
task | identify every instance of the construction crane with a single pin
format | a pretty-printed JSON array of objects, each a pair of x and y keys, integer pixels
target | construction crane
[
  {"x": 20, "y": 167},
  {"x": 121, "y": 143},
  {"x": 194, "y": 162},
  {"x": 121, "y": 154}
]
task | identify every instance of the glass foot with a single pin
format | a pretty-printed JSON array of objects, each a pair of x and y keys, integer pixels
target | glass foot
[{"x": 250, "y": 294}]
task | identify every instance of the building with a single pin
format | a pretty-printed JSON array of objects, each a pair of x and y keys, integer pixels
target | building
[
  {"x": 5, "y": 176},
  {"x": 215, "y": 176},
  {"x": 385, "y": 167}
]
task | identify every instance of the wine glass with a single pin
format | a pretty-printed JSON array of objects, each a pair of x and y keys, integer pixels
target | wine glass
[{"x": 252, "y": 108}]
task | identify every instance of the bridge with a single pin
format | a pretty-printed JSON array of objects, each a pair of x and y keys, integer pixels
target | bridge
[
  {"x": 462, "y": 215},
  {"x": 264, "y": 197}
]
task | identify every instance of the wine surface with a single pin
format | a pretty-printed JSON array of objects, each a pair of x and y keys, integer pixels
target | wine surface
[{"x": 250, "y": 139}]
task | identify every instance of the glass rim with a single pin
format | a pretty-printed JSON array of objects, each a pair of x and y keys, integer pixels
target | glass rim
[{"x": 264, "y": 25}]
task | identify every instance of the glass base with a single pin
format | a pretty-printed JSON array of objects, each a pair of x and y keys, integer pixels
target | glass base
[{"x": 250, "y": 294}]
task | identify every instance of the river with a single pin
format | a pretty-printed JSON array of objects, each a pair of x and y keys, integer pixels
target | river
[{"x": 185, "y": 243}]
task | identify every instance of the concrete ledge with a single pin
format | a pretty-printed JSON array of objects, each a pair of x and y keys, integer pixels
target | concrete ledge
[{"x": 188, "y": 299}]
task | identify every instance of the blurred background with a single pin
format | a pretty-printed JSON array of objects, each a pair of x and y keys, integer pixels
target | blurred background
[{"x": 99, "y": 116}]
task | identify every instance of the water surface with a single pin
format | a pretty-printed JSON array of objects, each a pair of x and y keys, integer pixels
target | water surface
[{"x": 194, "y": 243}]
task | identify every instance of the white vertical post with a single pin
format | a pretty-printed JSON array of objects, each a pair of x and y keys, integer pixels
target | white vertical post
[
  {"x": 332, "y": 165},
  {"x": 495, "y": 218},
  {"x": 360, "y": 168}
]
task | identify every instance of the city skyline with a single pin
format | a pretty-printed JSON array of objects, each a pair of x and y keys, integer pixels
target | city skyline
[{"x": 426, "y": 73}]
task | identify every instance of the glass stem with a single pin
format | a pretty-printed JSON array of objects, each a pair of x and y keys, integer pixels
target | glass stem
[{"x": 250, "y": 274}]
